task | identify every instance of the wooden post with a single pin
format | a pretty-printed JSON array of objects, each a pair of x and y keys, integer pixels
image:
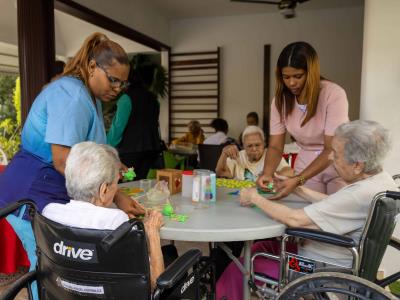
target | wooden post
[
  {"x": 35, "y": 48},
  {"x": 267, "y": 78}
]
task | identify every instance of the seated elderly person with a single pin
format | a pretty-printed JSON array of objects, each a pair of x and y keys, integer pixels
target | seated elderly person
[
  {"x": 247, "y": 164},
  {"x": 221, "y": 130},
  {"x": 195, "y": 134},
  {"x": 91, "y": 174},
  {"x": 358, "y": 149}
]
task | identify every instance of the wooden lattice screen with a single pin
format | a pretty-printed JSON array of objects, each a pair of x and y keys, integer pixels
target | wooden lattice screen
[{"x": 195, "y": 90}]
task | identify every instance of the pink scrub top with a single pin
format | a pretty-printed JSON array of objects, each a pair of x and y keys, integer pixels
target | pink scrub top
[{"x": 332, "y": 110}]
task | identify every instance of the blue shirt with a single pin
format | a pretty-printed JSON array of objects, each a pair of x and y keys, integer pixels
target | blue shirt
[{"x": 64, "y": 114}]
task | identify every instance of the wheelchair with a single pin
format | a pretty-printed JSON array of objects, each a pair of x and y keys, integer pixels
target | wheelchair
[
  {"x": 357, "y": 282},
  {"x": 396, "y": 178},
  {"x": 75, "y": 263}
]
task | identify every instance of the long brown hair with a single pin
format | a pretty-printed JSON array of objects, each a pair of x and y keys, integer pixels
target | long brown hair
[
  {"x": 99, "y": 47},
  {"x": 298, "y": 55}
]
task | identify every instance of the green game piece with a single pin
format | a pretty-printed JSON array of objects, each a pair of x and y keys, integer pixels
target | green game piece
[
  {"x": 262, "y": 192},
  {"x": 182, "y": 218},
  {"x": 179, "y": 218},
  {"x": 129, "y": 175},
  {"x": 168, "y": 210},
  {"x": 270, "y": 186}
]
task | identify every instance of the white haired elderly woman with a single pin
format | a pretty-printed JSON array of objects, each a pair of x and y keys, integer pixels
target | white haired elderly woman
[
  {"x": 247, "y": 164},
  {"x": 92, "y": 173},
  {"x": 358, "y": 150}
]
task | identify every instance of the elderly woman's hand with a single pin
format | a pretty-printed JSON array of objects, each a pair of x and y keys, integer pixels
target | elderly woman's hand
[
  {"x": 284, "y": 186},
  {"x": 247, "y": 196},
  {"x": 153, "y": 222},
  {"x": 231, "y": 151}
]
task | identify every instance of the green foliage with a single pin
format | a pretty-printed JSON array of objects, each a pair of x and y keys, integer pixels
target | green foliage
[
  {"x": 7, "y": 83},
  {"x": 159, "y": 86},
  {"x": 154, "y": 75},
  {"x": 10, "y": 114},
  {"x": 17, "y": 100}
]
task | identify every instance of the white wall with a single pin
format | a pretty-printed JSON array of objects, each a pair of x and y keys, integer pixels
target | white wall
[
  {"x": 336, "y": 34},
  {"x": 140, "y": 15},
  {"x": 380, "y": 86}
]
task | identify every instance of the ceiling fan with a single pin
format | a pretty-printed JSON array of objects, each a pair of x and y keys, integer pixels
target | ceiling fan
[{"x": 286, "y": 7}]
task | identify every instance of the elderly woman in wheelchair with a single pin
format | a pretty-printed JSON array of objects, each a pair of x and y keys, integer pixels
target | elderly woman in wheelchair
[
  {"x": 358, "y": 149},
  {"x": 92, "y": 174}
]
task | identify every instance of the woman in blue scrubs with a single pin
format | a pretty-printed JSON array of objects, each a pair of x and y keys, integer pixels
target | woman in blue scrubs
[{"x": 66, "y": 112}]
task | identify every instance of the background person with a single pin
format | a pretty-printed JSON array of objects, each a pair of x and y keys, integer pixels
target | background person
[
  {"x": 359, "y": 148},
  {"x": 92, "y": 173},
  {"x": 135, "y": 127},
  {"x": 194, "y": 136},
  {"x": 251, "y": 120},
  {"x": 221, "y": 130},
  {"x": 309, "y": 108}
]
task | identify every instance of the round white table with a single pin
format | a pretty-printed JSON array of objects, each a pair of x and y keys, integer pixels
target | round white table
[{"x": 224, "y": 221}]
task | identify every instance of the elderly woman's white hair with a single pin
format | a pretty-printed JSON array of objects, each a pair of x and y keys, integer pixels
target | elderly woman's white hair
[
  {"x": 252, "y": 130},
  {"x": 88, "y": 166},
  {"x": 365, "y": 141}
]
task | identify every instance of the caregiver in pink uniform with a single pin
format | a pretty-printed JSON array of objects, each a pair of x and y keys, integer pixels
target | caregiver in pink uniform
[{"x": 309, "y": 108}]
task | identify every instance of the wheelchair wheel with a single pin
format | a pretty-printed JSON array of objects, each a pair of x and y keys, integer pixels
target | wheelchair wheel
[{"x": 332, "y": 285}]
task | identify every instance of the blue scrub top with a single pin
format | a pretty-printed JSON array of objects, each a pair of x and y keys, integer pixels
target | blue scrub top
[{"x": 64, "y": 114}]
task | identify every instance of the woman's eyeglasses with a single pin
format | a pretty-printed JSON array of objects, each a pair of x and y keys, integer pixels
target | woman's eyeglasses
[{"x": 115, "y": 82}]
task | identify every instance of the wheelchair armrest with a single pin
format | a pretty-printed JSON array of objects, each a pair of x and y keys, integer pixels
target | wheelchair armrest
[
  {"x": 393, "y": 195},
  {"x": 5, "y": 211},
  {"x": 109, "y": 240},
  {"x": 177, "y": 269},
  {"x": 395, "y": 243},
  {"x": 322, "y": 236},
  {"x": 19, "y": 284}
]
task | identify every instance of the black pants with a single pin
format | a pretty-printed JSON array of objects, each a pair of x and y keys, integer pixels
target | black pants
[
  {"x": 169, "y": 254},
  {"x": 222, "y": 260},
  {"x": 141, "y": 162}
]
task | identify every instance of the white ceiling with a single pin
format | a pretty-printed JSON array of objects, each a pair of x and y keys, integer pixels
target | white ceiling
[
  {"x": 67, "y": 42},
  {"x": 178, "y": 9}
]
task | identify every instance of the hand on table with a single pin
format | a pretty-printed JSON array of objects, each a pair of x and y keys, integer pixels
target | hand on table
[
  {"x": 122, "y": 169},
  {"x": 263, "y": 181},
  {"x": 131, "y": 207},
  {"x": 284, "y": 186},
  {"x": 247, "y": 195}
]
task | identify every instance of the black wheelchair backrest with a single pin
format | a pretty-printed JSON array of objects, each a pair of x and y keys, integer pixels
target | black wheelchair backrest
[
  {"x": 377, "y": 232},
  {"x": 209, "y": 155},
  {"x": 75, "y": 263}
]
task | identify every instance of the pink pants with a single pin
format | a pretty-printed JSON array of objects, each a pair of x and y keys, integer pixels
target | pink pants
[
  {"x": 327, "y": 182},
  {"x": 230, "y": 284}
]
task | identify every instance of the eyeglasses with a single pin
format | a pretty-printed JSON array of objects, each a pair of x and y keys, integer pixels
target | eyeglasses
[{"x": 115, "y": 82}]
